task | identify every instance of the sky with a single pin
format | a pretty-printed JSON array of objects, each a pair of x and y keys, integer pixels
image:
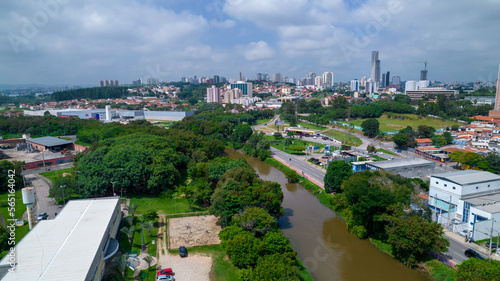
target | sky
[{"x": 70, "y": 42}]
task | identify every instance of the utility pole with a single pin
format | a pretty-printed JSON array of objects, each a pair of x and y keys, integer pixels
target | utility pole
[
  {"x": 491, "y": 237},
  {"x": 449, "y": 210}
]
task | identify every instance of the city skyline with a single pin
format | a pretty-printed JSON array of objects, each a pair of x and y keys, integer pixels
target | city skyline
[{"x": 68, "y": 42}]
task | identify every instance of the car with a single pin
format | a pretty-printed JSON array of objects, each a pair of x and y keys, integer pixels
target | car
[
  {"x": 183, "y": 251},
  {"x": 165, "y": 274},
  {"x": 165, "y": 271},
  {"x": 164, "y": 278},
  {"x": 493, "y": 245},
  {"x": 42, "y": 216},
  {"x": 324, "y": 157},
  {"x": 313, "y": 159},
  {"x": 472, "y": 254},
  {"x": 315, "y": 137}
]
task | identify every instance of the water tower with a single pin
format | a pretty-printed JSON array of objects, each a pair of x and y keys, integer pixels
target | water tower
[{"x": 29, "y": 201}]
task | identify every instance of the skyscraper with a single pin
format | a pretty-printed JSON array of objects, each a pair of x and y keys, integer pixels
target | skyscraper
[
  {"x": 387, "y": 75},
  {"x": 382, "y": 84},
  {"x": 318, "y": 81},
  {"x": 354, "y": 85},
  {"x": 496, "y": 110},
  {"x": 375, "y": 68},
  {"x": 328, "y": 79},
  {"x": 396, "y": 80},
  {"x": 277, "y": 77},
  {"x": 246, "y": 88},
  {"x": 310, "y": 76}
]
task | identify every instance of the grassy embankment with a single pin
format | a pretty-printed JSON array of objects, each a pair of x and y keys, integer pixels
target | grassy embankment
[
  {"x": 397, "y": 122},
  {"x": 350, "y": 140},
  {"x": 438, "y": 270}
]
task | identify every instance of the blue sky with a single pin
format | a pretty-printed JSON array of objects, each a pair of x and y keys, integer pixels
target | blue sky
[{"x": 82, "y": 42}]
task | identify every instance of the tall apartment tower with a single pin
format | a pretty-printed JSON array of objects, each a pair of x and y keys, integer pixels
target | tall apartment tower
[
  {"x": 375, "y": 68},
  {"x": 213, "y": 94},
  {"x": 328, "y": 79}
]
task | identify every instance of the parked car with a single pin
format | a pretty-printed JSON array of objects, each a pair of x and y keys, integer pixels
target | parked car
[
  {"x": 493, "y": 245},
  {"x": 165, "y": 274},
  {"x": 42, "y": 216},
  {"x": 183, "y": 251},
  {"x": 472, "y": 254}
]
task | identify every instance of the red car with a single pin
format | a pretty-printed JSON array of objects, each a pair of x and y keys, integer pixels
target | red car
[{"x": 165, "y": 271}]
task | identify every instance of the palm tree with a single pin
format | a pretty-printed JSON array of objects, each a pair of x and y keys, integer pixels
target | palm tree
[
  {"x": 148, "y": 259},
  {"x": 129, "y": 220},
  {"x": 129, "y": 231},
  {"x": 121, "y": 264},
  {"x": 132, "y": 208},
  {"x": 148, "y": 226}
]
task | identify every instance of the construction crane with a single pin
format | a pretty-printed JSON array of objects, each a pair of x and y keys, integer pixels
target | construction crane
[{"x": 425, "y": 64}]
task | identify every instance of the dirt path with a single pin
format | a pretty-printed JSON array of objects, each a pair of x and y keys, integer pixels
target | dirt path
[{"x": 192, "y": 267}]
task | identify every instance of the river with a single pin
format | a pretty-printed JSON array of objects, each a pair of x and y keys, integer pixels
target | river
[{"x": 321, "y": 239}]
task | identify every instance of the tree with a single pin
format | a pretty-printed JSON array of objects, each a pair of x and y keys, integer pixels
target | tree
[
  {"x": 400, "y": 139},
  {"x": 425, "y": 131},
  {"x": 338, "y": 171},
  {"x": 478, "y": 270},
  {"x": 448, "y": 138},
  {"x": 370, "y": 127},
  {"x": 132, "y": 208},
  {"x": 413, "y": 237},
  {"x": 274, "y": 267},
  {"x": 150, "y": 215},
  {"x": 120, "y": 264},
  {"x": 148, "y": 259},
  {"x": 129, "y": 231},
  {"x": 129, "y": 220},
  {"x": 371, "y": 148},
  {"x": 188, "y": 192},
  {"x": 148, "y": 225},
  {"x": 276, "y": 242},
  {"x": 255, "y": 220},
  {"x": 244, "y": 250},
  {"x": 438, "y": 140},
  {"x": 242, "y": 133}
]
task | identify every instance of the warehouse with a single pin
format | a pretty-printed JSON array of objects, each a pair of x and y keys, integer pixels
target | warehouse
[
  {"x": 50, "y": 143},
  {"x": 408, "y": 167}
]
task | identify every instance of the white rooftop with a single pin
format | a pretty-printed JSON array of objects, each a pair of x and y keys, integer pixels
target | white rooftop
[
  {"x": 63, "y": 248},
  {"x": 468, "y": 177}
]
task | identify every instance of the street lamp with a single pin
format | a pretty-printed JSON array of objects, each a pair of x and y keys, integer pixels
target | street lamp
[
  {"x": 64, "y": 199},
  {"x": 113, "y": 183}
]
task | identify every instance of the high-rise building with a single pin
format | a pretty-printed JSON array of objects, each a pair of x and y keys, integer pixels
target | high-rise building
[
  {"x": 410, "y": 85},
  {"x": 245, "y": 87},
  {"x": 310, "y": 76},
  {"x": 232, "y": 94},
  {"x": 387, "y": 75},
  {"x": 371, "y": 86},
  {"x": 241, "y": 77},
  {"x": 375, "y": 75},
  {"x": 216, "y": 79},
  {"x": 101, "y": 83},
  {"x": 153, "y": 81},
  {"x": 213, "y": 94},
  {"x": 328, "y": 79},
  {"x": 354, "y": 85},
  {"x": 423, "y": 75},
  {"x": 396, "y": 80},
  {"x": 318, "y": 81},
  {"x": 363, "y": 81},
  {"x": 382, "y": 83},
  {"x": 277, "y": 77},
  {"x": 137, "y": 82}
]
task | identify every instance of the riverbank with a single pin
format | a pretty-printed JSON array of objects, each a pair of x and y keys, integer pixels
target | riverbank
[{"x": 432, "y": 267}]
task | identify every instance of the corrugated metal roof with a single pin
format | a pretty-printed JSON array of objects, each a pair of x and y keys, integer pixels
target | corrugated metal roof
[
  {"x": 467, "y": 176},
  {"x": 63, "y": 248},
  {"x": 401, "y": 163},
  {"x": 50, "y": 141}
]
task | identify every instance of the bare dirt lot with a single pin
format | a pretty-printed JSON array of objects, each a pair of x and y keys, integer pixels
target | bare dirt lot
[{"x": 193, "y": 231}]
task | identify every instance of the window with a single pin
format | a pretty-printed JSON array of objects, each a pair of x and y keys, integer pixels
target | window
[
  {"x": 445, "y": 185},
  {"x": 477, "y": 187},
  {"x": 437, "y": 182},
  {"x": 488, "y": 185},
  {"x": 453, "y": 187}
]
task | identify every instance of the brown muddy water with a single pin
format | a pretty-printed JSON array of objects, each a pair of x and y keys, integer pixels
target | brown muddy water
[{"x": 321, "y": 239}]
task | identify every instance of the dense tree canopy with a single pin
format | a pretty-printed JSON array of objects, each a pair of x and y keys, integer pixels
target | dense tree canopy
[
  {"x": 371, "y": 127},
  {"x": 338, "y": 171},
  {"x": 478, "y": 270}
]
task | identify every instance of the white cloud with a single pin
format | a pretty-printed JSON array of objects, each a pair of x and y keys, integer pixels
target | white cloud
[
  {"x": 258, "y": 51},
  {"x": 223, "y": 24}
]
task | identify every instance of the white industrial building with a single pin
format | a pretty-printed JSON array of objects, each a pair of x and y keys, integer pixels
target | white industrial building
[
  {"x": 75, "y": 245},
  {"x": 467, "y": 201}
]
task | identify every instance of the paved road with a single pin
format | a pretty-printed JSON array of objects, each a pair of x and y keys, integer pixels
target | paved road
[
  {"x": 299, "y": 162},
  {"x": 456, "y": 249},
  {"x": 44, "y": 203}
]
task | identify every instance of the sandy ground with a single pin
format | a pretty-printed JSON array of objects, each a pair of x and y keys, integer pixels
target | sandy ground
[
  {"x": 202, "y": 230},
  {"x": 193, "y": 267}
]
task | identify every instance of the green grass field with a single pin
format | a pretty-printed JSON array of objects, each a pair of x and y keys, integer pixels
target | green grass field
[
  {"x": 351, "y": 140},
  {"x": 137, "y": 240},
  {"x": 53, "y": 175},
  {"x": 262, "y": 121},
  {"x": 395, "y": 124},
  {"x": 440, "y": 271},
  {"x": 378, "y": 158},
  {"x": 295, "y": 142},
  {"x": 311, "y": 126},
  {"x": 19, "y": 209},
  {"x": 163, "y": 205}
]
